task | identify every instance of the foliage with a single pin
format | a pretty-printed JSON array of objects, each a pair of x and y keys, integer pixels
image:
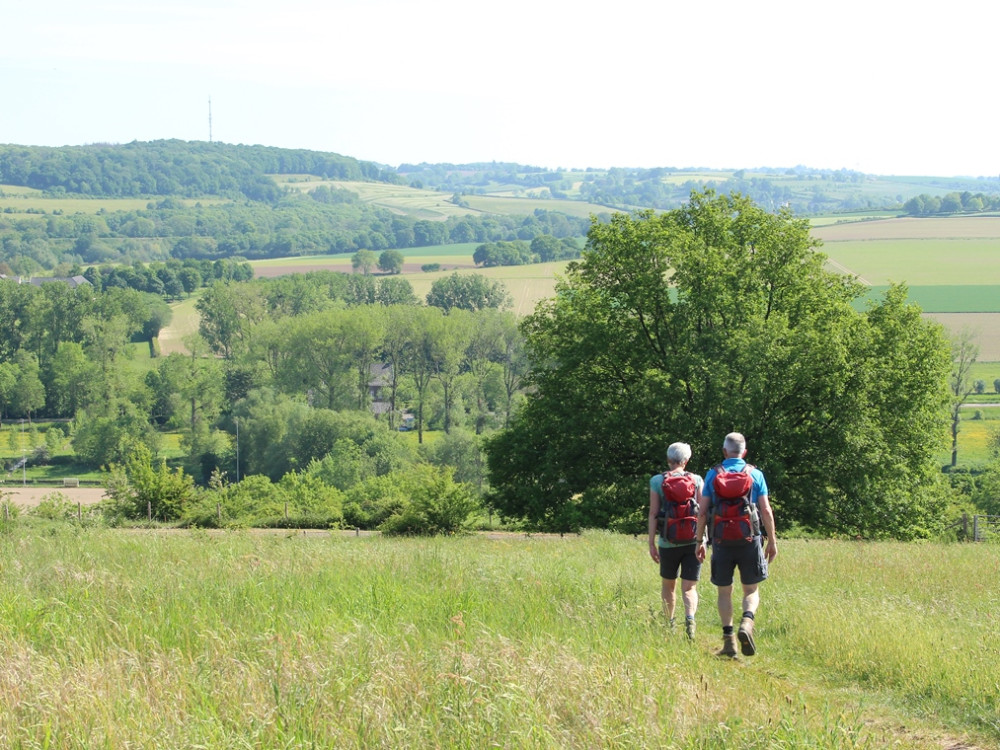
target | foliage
[
  {"x": 390, "y": 261},
  {"x": 437, "y": 505},
  {"x": 714, "y": 317},
  {"x": 468, "y": 292},
  {"x": 108, "y": 435},
  {"x": 55, "y": 506},
  {"x": 138, "y": 489}
]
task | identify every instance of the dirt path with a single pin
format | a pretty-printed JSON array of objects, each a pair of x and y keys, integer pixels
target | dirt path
[{"x": 31, "y": 496}]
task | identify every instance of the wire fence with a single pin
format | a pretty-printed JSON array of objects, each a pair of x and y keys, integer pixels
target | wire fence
[{"x": 976, "y": 528}]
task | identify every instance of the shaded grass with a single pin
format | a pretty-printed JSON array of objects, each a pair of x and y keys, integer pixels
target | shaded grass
[{"x": 113, "y": 639}]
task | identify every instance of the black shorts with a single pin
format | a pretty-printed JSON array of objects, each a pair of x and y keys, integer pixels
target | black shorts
[
  {"x": 672, "y": 558},
  {"x": 748, "y": 557}
]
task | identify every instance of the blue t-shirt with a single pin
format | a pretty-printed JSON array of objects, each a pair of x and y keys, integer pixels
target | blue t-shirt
[
  {"x": 656, "y": 485},
  {"x": 736, "y": 464}
]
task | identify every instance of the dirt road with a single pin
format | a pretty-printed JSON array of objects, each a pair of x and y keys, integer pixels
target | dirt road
[{"x": 31, "y": 496}]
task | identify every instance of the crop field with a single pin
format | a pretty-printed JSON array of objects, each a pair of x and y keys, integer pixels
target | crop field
[
  {"x": 27, "y": 202},
  {"x": 527, "y": 284},
  {"x": 435, "y": 205},
  {"x": 241, "y": 639},
  {"x": 952, "y": 266}
]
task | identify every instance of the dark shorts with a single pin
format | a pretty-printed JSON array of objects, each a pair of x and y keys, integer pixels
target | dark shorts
[
  {"x": 672, "y": 558},
  {"x": 749, "y": 558}
]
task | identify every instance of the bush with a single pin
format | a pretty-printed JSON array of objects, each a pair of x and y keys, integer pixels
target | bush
[
  {"x": 54, "y": 506},
  {"x": 438, "y": 505}
]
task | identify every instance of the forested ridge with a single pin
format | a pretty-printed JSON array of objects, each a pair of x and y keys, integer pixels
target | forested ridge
[
  {"x": 173, "y": 167},
  {"x": 249, "y": 215}
]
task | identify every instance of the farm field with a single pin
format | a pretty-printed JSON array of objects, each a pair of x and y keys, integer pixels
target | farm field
[
  {"x": 527, "y": 284},
  {"x": 435, "y": 205},
  {"x": 28, "y": 202},
  {"x": 191, "y": 639}
]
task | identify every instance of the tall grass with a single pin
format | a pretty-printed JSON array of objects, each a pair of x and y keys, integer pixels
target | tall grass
[{"x": 115, "y": 639}]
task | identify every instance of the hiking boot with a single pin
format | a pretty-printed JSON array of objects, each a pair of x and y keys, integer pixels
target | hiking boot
[
  {"x": 689, "y": 626},
  {"x": 745, "y": 635},
  {"x": 728, "y": 646},
  {"x": 672, "y": 623}
]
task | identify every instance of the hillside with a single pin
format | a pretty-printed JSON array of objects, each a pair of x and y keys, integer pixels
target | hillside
[{"x": 65, "y": 208}]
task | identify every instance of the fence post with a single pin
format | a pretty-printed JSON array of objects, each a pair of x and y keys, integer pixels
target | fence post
[
  {"x": 975, "y": 528},
  {"x": 79, "y": 512},
  {"x": 149, "y": 510},
  {"x": 965, "y": 526}
]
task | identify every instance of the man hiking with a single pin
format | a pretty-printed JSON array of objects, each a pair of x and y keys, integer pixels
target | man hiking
[
  {"x": 735, "y": 511},
  {"x": 674, "y": 499}
]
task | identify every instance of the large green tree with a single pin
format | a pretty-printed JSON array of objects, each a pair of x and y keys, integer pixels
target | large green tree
[{"x": 714, "y": 317}]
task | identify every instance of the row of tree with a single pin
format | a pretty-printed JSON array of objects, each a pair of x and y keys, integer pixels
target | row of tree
[
  {"x": 951, "y": 203},
  {"x": 295, "y": 225}
]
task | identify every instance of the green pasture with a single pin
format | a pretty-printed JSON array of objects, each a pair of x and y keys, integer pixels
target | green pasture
[
  {"x": 947, "y": 298},
  {"x": 241, "y": 639},
  {"x": 918, "y": 262},
  {"x": 21, "y": 200},
  {"x": 974, "y": 437}
]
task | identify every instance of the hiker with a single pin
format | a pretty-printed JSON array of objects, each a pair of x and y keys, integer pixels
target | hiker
[
  {"x": 735, "y": 510},
  {"x": 674, "y": 498}
]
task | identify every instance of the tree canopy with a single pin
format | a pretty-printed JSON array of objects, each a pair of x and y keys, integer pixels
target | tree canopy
[{"x": 714, "y": 317}]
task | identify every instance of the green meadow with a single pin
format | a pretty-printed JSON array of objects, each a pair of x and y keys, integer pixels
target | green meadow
[
  {"x": 244, "y": 640},
  {"x": 27, "y": 202}
]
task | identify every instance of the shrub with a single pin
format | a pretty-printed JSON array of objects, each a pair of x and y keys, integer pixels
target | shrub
[{"x": 438, "y": 505}]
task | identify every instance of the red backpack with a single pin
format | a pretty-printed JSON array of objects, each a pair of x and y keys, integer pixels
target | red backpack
[
  {"x": 735, "y": 519},
  {"x": 679, "y": 514}
]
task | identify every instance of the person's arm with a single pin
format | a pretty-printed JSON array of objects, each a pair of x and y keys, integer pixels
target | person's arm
[
  {"x": 767, "y": 519},
  {"x": 654, "y": 509}
]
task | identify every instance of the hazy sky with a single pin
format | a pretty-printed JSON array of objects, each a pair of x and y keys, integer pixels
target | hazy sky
[{"x": 881, "y": 86}]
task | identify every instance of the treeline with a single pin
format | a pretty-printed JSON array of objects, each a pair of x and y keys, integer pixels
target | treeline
[
  {"x": 171, "y": 280},
  {"x": 321, "y": 222},
  {"x": 292, "y": 353},
  {"x": 951, "y": 203},
  {"x": 626, "y": 189},
  {"x": 173, "y": 167},
  {"x": 542, "y": 249}
]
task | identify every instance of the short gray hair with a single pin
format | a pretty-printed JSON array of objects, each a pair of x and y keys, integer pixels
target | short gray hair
[
  {"x": 678, "y": 453},
  {"x": 734, "y": 444}
]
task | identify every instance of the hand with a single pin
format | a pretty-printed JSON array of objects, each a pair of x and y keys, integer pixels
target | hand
[
  {"x": 654, "y": 551},
  {"x": 771, "y": 551},
  {"x": 700, "y": 551}
]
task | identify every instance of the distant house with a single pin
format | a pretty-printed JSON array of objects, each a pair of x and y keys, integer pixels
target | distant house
[
  {"x": 72, "y": 281},
  {"x": 379, "y": 383}
]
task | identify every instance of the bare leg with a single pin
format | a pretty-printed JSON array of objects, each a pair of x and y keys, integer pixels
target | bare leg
[
  {"x": 667, "y": 594},
  {"x": 751, "y": 597},
  {"x": 689, "y": 591},
  {"x": 726, "y": 606}
]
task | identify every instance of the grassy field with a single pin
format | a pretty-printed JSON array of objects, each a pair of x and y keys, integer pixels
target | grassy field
[
  {"x": 435, "y": 205},
  {"x": 240, "y": 640},
  {"x": 27, "y": 202},
  {"x": 526, "y": 284}
]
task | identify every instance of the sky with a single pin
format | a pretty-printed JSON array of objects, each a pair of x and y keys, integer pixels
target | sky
[{"x": 882, "y": 86}]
